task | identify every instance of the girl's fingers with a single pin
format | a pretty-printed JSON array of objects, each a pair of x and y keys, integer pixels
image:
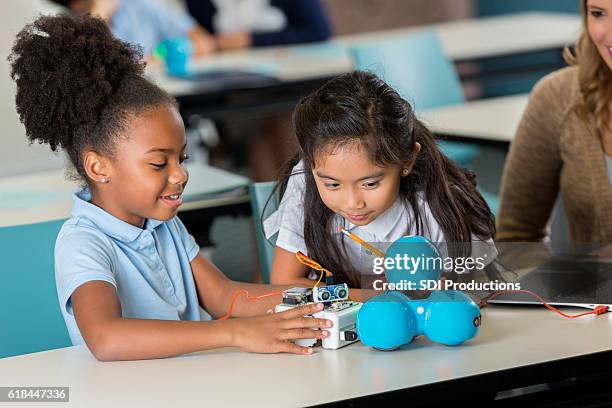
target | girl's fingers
[
  {"x": 306, "y": 322},
  {"x": 295, "y": 334},
  {"x": 288, "y": 347},
  {"x": 302, "y": 310}
]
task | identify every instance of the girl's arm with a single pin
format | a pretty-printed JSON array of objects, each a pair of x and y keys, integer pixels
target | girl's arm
[
  {"x": 216, "y": 292},
  {"x": 109, "y": 336},
  {"x": 286, "y": 269}
]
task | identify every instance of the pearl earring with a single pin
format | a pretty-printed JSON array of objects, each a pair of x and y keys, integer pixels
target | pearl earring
[
  {"x": 405, "y": 172},
  {"x": 104, "y": 180}
]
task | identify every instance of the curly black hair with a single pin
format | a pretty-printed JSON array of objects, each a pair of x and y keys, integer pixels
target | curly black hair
[{"x": 77, "y": 84}]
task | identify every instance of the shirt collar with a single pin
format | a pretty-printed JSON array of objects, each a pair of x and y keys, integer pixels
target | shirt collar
[
  {"x": 382, "y": 227},
  {"x": 106, "y": 222}
]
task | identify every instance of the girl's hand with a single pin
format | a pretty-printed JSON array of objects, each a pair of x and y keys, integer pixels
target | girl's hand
[{"x": 273, "y": 333}]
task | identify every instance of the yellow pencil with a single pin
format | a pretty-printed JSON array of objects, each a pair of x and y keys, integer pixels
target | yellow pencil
[{"x": 362, "y": 242}]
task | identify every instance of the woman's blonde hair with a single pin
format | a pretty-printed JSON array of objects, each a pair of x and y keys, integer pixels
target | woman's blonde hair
[{"x": 594, "y": 77}]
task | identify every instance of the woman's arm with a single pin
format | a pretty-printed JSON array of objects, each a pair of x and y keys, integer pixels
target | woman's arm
[{"x": 530, "y": 182}]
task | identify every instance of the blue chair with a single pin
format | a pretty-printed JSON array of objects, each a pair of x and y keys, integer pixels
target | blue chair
[
  {"x": 30, "y": 317},
  {"x": 416, "y": 66},
  {"x": 260, "y": 192}
]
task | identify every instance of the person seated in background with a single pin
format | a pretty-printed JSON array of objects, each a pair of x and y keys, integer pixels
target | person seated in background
[
  {"x": 145, "y": 22},
  {"x": 563, "y": 144},
  {"x": 240, "y": 24},
  {"x": 255, "y": 23}
]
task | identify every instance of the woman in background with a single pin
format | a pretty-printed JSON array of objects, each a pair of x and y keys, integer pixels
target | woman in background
[{"x": 564, "y": 143}]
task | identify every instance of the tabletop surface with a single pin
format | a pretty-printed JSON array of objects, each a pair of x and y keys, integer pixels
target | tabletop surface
[
  {"x": 462, "y": 40},
  {"x": 494, "y": 119},
  {"x": 47, "y": 196},
  {"x": 494, "y": 36},
  {"x": 510, "y": 337}
]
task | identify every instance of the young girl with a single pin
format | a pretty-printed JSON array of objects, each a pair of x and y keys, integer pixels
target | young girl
[
  {"x": 369, "y": 165},
  {"x": 130, "y": 279}
]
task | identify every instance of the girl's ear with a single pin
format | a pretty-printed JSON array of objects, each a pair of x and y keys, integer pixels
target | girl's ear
[
  {"x": 406, "y": 170},
  {"x": 97, "y": 167}
]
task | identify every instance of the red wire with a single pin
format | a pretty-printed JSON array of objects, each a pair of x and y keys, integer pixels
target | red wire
[
  {"x": 248, "y": 299},
  {"x": 600, "y": 309}
]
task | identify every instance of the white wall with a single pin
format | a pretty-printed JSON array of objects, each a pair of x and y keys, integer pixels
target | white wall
[{"x": 16, "y": 156}]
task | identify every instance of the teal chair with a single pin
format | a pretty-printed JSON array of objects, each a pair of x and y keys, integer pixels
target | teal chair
[
  {"x": 416, "y": 66},
  {"x": 491, "y": 199},
  {"x": 260, "y": 192},
  {"x": 30, "y": 317}
]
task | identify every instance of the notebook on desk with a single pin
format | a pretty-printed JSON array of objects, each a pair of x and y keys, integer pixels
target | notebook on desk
[{"x": 584, "y": 281}]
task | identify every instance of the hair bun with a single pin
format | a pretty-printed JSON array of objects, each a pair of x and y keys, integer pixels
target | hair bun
[{"x": 67, "y": 69}]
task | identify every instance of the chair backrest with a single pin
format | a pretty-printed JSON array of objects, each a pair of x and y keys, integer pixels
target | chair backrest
[
  {"x": 30, "y": 317},
  {"x": 260, "y": 192},
  {"x": 415, "y": 65}
]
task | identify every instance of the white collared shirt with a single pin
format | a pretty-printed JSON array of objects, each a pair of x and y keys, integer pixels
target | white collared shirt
[{"x": 396, "y": 222}]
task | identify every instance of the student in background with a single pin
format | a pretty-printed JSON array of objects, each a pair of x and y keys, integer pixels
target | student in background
[
  {"x": 366, "y": 163},
  {"x": 130, "y": 279},
  {"x": 241, "y": 24},
  {"x": 238, "y": 24},
  {"x": 564, "y": 144},
  {"x": 145, "y": 22}
]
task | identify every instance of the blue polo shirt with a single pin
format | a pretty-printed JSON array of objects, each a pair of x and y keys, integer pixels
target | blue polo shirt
[{"x": 149, "y": 267}]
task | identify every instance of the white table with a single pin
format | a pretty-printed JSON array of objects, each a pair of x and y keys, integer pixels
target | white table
[
  {"x": 47, "y": 196},
  {"x": 462, "y": 40},
  {"x": 485, "y": 37},
  {"x": 510, "y": 338},
  {"x": 494, "y": 119}
]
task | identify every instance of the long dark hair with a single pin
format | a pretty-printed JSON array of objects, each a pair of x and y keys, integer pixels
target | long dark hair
[{"x": 360, "y": 107}]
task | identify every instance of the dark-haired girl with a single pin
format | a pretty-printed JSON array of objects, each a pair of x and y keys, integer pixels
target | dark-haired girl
[
  {"x": 368, "y": 164},
  {"x": 130, "y": 279}
]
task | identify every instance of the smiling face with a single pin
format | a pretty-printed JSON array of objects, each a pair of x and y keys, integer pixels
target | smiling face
[
  {"x": 146, "y": 173},
  {"x": 599, "y": 26},
  {"x": 352, "y": 186}
]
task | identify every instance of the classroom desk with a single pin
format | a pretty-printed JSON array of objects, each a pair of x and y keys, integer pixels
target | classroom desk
[
  {"x": 486, "y": 37},
  {"x": 516, "y": 347},
  {"x": 46, "y": 196},
  {"x": 492, "y": 121},
  {"x": 465, "y": 40}
]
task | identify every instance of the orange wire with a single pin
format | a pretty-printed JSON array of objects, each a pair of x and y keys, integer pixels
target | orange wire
[
  {"x": 248, "y": 299},
  {"x": 312, "y": 264},
  {"x": 600, "y": 309}
]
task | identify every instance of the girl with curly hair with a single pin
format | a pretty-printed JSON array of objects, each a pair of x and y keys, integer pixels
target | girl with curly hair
[{"x": 130, "y": 279}]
